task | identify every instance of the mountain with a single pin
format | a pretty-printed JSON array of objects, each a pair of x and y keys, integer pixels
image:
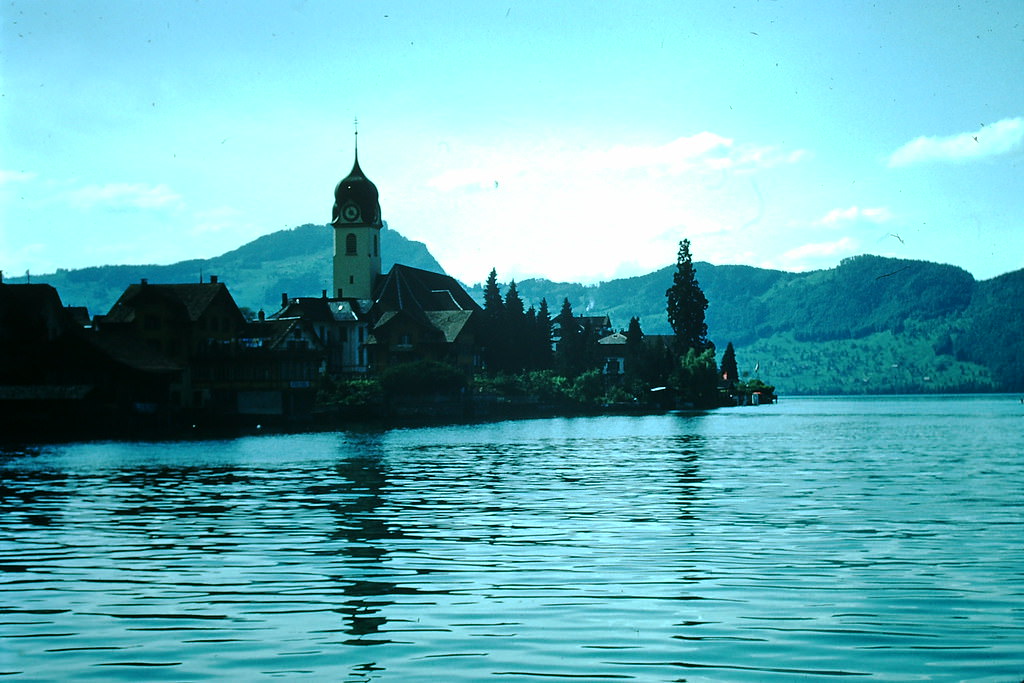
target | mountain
[
  {"x": 296, "y": 262},
  {"x": 869, "y": 325}
]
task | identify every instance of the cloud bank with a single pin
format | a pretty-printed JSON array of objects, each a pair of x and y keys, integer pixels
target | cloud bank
[
  {"x": 134, "y": 195},
  {"x": 878, "y": 214},
  {"x": 992, "y": 140}
]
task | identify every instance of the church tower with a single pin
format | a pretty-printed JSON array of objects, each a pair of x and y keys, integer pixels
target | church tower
[{"x": 356, "y": 221}]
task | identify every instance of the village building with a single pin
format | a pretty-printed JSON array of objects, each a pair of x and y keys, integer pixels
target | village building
[
  {"x": 57, "y": 377},
  {"x": 613, "y": 354},
  {"x": 413, "y": 314}
]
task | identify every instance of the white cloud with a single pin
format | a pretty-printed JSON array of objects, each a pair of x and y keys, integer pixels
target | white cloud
[
  {"x": 998, "y": 138},
  {"x": 135, "y": 195},
  {"x": 16, "y": 176},
  {"x": 672, "y": 158},
  {"x": 800, "y": 257},
  {"x": 702, "y": 152},
  {"x": 878, "y": 214}
]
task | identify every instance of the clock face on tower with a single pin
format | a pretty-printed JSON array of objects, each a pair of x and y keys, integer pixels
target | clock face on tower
[{"x": 350, "y": 212}]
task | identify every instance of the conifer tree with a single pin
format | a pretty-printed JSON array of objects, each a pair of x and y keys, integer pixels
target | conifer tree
[
  {"x": 492, "y": 334},
  {"x": 634, "y": 335},
  {"x": 513, "y": 302},
  {"x": 569, "y": 353},
  {"x": 730, "y": 373},
  {"x": 541, "y": 345},
  {"x": 515, "y": 331},
  {"x": 492, "y": 295},
  {"x": 687, "y": 304}
]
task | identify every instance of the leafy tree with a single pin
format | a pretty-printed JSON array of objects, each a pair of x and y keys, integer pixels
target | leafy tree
[
  {"x": 696, "y": 378},
  {"x": 422, "y": 377},
  {"x": 687, "y": 304},
  {"x": 730, "y": 373}
]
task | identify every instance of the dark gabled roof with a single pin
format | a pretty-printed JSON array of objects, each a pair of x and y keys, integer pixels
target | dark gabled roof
[
  {"x": 415, "y": 291},
  {"x": 308, "y": 308},
  {"x": 79, "y": 315},
  {"x": 320, "y": 309},
  {"x": 32, "y": 312},
  {"x": 192, "y": 299},
  {"x": 274, "y": 332},
  {"x": 614, "y": 339}
]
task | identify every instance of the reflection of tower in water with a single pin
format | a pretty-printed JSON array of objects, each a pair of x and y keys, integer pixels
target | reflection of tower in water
[
  {"x": 687, "y": 474},
  {"x": 363, "y": 531}
]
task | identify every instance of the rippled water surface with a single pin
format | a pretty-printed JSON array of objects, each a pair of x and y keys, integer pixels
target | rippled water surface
[{"x": 818, "y": 538}]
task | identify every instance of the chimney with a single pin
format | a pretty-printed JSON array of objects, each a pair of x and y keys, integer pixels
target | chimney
[
  {"x": 144, "y": 281},
  {"x": 324, "y": 294},
  {"x": 213, "y": 279},
  {"x": 263, "y": 316},
  {"x": 284, "y": 299}
]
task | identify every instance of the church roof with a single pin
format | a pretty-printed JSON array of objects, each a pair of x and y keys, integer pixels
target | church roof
[
  {"x": 451, "y": 323},
  {"x": 415, "y": 291},
  {"x": 433, "y": 300},
  {"x": 356, "y": 190}
]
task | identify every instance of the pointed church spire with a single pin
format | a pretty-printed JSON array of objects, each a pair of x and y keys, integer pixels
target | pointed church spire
[{"x": 356, "y": 171}]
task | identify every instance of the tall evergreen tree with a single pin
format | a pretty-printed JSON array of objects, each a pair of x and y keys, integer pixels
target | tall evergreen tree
[
  {"x": 541, "y": 345},
  {"x": 730, "y": 373},
  {"x": 569, "y": 352},
  {"x": 492, "y": 334},
  {"x": 634, "y": 335},
  {"x": 515, "y": 331},
  {"x": 513, "y": 302},
  {"x": 492, "y": 295},
  {"x": 687, "y": 304}
]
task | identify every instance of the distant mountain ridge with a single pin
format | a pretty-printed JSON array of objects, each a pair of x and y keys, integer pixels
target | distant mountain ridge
[
  {"x": 295, "y": 261},
  {"x": 869, "y": 325}
]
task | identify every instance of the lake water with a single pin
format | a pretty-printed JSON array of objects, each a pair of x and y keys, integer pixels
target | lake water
[{"x": 818, "y": 538}]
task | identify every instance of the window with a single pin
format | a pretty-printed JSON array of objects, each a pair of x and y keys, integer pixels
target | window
[{"x": 350, "y": 244}]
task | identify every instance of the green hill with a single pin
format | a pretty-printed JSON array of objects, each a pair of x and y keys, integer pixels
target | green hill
[
  {"x": 296, "y": 262},
  {"x": 869, "y": 325}
]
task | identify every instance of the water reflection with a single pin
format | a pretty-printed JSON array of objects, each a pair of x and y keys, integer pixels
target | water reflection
[
  {"x": 716, "y": 546},
  {"x": 355, "y": 502}
]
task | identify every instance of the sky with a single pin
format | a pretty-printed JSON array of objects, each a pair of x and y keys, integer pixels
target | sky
[{"x": 577, "y": 140}]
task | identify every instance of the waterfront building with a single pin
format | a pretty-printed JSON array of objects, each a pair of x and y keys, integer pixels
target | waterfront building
[{"x": 413, "y": 314}]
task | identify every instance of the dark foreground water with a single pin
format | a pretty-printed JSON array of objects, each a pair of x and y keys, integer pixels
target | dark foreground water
[{"x": 874, "y": 538}]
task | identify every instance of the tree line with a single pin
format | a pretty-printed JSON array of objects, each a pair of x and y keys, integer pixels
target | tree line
[
  {"x": 529, "y": 354},
  {"x": 528, "y": 344}
]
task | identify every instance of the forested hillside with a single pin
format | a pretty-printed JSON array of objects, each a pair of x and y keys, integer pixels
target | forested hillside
[
  {"x": 869, "y": 325},
  {"x": 295, "y": 261}
]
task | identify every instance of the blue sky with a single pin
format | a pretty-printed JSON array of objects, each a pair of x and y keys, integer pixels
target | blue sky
[{"x": 572, "y": 140}]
